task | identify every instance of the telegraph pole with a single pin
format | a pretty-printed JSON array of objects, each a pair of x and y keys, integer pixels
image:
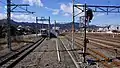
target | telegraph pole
[
  {"x": 73, "y": 25},
  {"x": 8, "y": 24}
]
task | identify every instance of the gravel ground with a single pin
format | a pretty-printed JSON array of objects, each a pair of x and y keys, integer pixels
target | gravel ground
[
  {"x": 15, "y": 46},
  {"x": 79, "y": 58},
  {"x": 45, "y": 56},
  {"x": 106, "y": 51}
]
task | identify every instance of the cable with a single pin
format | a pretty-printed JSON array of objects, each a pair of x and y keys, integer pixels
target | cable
[
  {"x": 25, "y": 9},
  {"x": 18, "y": 6}
]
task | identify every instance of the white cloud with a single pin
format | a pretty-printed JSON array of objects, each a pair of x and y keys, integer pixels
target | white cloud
[
  {"x": 67, "y": 9},
  {"x": 66, "y": 14},
  {"x": 23, "y": 18},
  {"x": 19, "y": 17},
  {"x": 5, "y": 7},
  {"x": 3, "y": 16},
  {"x": 54, "y": 11},
  {"x": 34, "y": 2}
]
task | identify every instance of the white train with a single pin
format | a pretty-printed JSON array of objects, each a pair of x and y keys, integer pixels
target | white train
[{"x": 44, "y": 32}]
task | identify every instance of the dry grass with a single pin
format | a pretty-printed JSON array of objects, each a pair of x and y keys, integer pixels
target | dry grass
[{"x": 16, "y": 41}]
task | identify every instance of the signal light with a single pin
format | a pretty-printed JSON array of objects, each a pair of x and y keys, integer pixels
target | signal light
[{"x": 89, "y": 14}]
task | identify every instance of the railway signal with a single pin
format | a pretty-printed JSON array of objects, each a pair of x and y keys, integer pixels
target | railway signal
[
  {"x": 89, "y": 15},
  {"x": 117, "y": 28}
]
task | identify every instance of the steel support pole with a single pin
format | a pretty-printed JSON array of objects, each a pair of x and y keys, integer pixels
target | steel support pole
[
  {"x": 55, "y": 25},
  {"x": 73, "y": 25},
  {"x": 55, "y": 29},
  {"x": 8, "y": 24},
  {"x": 85, "y": 44},
  {"x": 42, "y": 22},
  {"x": 36, "y": 27},
  {"x": 49, "y": 28},
  {"x": 42, "y": 25}
]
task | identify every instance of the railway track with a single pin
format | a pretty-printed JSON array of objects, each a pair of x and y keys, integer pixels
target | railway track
[
  {"x": 96, "y": 53},
  {"x": 105, "y": 44},
  {"x": 109, "y": 46},
  {"x": 106, "y": 39},
  {"x": 17, "y": 57},
  {"x": 70, "y": 52},
  {"x": 102, "y": 37},
  {"x": 109, "y": 37},
  {"x": 117, "y": 45},
  {"x": 92, "y": 55}
]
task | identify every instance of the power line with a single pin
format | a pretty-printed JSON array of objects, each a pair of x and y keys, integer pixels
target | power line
[
  {"x": 18, "y": 6},
  {"x": 9, "y": 10}
]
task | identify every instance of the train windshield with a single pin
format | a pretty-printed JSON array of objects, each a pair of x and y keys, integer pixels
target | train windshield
[{"x": 43, "y": 31}]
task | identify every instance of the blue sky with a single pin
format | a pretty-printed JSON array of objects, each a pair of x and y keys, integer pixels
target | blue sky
[{"x": 60, "y": 10}]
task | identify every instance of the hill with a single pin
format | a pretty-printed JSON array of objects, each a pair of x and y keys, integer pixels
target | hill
[{"x": 67, "y": 25}]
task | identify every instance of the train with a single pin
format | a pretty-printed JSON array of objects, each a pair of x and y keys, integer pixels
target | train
[
  {"x": 44, "y": 32},
  {"x": 53, "y": 33}
]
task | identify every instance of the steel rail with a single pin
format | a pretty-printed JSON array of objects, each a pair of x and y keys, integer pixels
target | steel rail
[
  {"x": 94, "y": 56},
  {"x": 14, "y": 59}
]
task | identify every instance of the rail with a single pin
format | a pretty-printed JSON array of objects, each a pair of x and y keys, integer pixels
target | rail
[{"x": 14, "y": 59}]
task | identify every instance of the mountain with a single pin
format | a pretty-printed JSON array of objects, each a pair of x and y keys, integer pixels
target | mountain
[
  {"x": 14, "y": 23},
  {"x": 39, "y": 25}
]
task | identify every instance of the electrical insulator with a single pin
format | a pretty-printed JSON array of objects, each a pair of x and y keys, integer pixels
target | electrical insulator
[{"x": 89, "y": 14}]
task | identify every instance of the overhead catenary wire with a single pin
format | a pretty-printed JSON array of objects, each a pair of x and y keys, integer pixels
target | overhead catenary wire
[
  {"x": 9, "y": 5},
  {"x": 18, "y": 6}
]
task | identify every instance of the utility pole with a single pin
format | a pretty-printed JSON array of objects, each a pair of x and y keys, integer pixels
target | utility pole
[
  {"x": 85, "y": 43},
  {"x": 9, "y": 10},
  {"x": 49, "y": 27},
  {"x": 36, "y": 27},
  {"x": 55, "y": 25},
  {"x": 55, "y": 30},
  {"x": 73, "y": 25},
  {"x": 8, "y": 24}
]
